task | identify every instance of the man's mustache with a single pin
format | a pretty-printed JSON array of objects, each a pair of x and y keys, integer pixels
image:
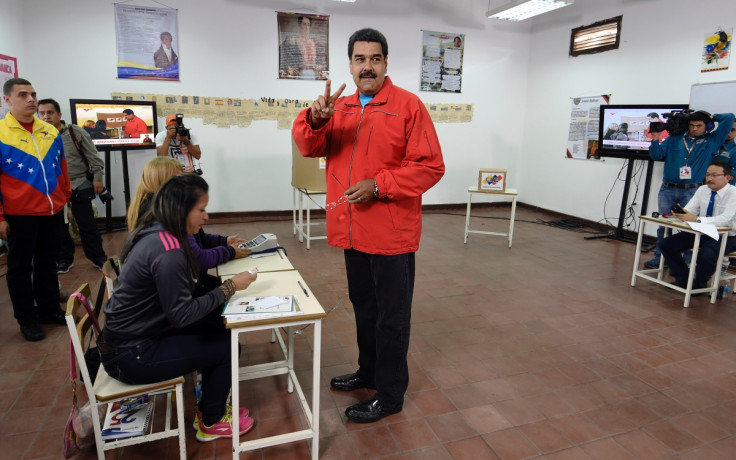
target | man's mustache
[{"x": 368, "y": 74}]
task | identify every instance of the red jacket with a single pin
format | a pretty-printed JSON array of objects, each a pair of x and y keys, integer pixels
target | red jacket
[{"x": 392, "y": 140}]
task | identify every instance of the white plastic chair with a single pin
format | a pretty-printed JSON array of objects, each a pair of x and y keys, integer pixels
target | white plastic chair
[{"x": 107, "y": 390}]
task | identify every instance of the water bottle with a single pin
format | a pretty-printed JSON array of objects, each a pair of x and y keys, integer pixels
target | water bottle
[
  {"x": 198, "y": 387},
  {"x": 726, "y": 290}
]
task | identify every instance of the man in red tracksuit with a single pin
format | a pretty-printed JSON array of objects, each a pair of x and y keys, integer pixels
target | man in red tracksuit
[{"x": 382, "y": 155}]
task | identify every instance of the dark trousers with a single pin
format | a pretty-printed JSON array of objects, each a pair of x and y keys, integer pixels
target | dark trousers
[
  {"x": 668, "y": 197},
  {"x": 708, "y": 260},
  {"x": 381, "y": 289},
  {"x": 81, "y": 204},
  {"x": 199, "y": 347},
  {"x": 33, "y": 246}
]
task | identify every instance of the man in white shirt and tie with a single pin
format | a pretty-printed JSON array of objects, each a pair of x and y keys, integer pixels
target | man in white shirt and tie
[{"x": 713, "y": 203}]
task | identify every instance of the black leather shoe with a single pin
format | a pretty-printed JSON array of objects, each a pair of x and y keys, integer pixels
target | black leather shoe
[
  {"x": 52, "y": 317},
  {"x": 32, "y": 332},
  {"x": 370, "y": 411},
  {"x": 350, "y": 382}
]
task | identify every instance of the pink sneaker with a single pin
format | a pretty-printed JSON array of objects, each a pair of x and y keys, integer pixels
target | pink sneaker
[
  {"x": 224, "y": 428},
  {"x": 198, "y": 415}
]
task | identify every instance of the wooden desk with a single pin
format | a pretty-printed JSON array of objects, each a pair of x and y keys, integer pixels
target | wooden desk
[
  {"x": 670, "y": 224},
  {"x": 275, "y": 262},
  {"x": 279, "y": 283},
  {"x": 509, "y": 192},
  {"x": 304, "y": 230}
]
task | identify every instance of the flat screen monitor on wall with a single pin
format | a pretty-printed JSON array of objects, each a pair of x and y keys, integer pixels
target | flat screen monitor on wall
[
  {"x": 106, "y": 120},
  {"x": 623, "y": 130}
]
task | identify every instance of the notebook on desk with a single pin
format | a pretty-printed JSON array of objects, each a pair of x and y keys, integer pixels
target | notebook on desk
[{"x": 259, "y": 307}]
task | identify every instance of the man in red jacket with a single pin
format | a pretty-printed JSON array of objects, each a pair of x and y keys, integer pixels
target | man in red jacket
[
  {"x": 135, "y": 127},
  {"x": 34, "y": 186},
  {"x": 382, "y": 155}
]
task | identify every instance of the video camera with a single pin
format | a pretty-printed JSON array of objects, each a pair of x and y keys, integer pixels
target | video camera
[
  {"x": 678, "y": 122},
  {"x": 181, "y": 130}
]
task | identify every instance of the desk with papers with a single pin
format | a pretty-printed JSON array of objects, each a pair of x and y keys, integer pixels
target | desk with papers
[
  {"x": 656, "y": 274},
  {"x": 278, "y": 283}
]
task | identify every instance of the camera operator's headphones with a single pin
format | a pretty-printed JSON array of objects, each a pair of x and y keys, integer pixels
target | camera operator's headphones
[{"x": 710, "y": 124}]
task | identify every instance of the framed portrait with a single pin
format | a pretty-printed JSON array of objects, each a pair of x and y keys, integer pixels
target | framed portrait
[
  {"x": 492, "y": 180},
  {"x": 303, "y": 46}
]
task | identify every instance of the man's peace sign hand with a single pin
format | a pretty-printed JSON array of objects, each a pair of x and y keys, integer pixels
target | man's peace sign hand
[{"x": 324, "y": 107}]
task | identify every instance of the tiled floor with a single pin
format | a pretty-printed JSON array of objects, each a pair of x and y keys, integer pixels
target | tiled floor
[{"x": 543, "y": 350}]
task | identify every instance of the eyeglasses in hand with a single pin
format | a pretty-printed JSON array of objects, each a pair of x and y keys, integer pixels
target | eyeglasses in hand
[
  {"x": 342, "y": 200},
  {"x": 333, "y": 204}
]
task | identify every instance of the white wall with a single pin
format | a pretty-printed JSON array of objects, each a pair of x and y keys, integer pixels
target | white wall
[
  {"x": 11, "y": 43},
  {"x": 658, "y": 62},
  {"x": 518, "y": 75},
  {"x": 230, "y": 49}
]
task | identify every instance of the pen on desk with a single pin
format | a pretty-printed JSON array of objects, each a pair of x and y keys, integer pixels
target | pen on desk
[{"x": 301, "y": 286}]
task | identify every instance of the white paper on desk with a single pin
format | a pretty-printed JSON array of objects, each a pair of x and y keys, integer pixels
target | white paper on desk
[
  {"x": 706, "y": 229},
  {"x": 255, "y": 316},
  {"x": 262, "y": 254},
  {"x": 263, "y": 315},
  {"x": 255, "y": 305}
]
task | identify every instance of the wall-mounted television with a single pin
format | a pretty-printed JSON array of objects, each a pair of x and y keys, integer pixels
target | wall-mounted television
[
  {"x": 111, "y": 125},
  {"x": 623, "y": 129}
]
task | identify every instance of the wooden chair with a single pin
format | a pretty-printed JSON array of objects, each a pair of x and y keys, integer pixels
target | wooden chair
[
  {"x": 106, "y": 390},
  {"x": 111, "y": 270}
]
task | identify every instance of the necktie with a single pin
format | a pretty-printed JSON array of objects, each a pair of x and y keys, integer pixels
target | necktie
[{"x": 709, "y": 212}]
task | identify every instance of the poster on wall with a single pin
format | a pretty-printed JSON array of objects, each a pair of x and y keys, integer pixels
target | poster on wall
[
  {"x": 442, "y": 62},
  {"x": 717, "y": 50},
  {"x": 582, "y": 137},
  {"x": 303, "y": 46},
  {"x": 147, "y": 42},
  {"x": 8, "y": 70}
]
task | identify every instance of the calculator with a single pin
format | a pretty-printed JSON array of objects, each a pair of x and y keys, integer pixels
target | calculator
[{"x": 262, "y": 242}]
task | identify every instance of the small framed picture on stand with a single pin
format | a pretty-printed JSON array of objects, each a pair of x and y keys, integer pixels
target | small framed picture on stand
[{"x": 492, "y": 180}]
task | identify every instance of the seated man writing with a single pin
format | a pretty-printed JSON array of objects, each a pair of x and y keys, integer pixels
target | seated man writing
[{"x": 713, "y": 203}]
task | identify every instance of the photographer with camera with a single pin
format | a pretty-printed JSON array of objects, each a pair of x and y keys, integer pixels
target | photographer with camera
[
  {"x": 692, "y": 145},
  {"x": 85, "y": 174},
  {"x": 179, "y": 142}
]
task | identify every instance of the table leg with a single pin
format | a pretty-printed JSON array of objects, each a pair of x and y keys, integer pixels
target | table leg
[
  {"x": 315, "y": 387},
  {"x": 293, "y": 209},
  {"x": 513, "y": 216},
  {"x": 290, "y": 357},
  {"x": 301, "y": 222},
  {"x": 691, "y": 272},
  {"x": 309, "y": 222},
  {"x": 235, "y": 391},
  {"x": 637, "y": 255},
  {"x": 467, "y": 218}
]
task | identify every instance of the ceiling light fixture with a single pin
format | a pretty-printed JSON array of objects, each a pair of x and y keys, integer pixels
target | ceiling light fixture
[
  {"x": 518, "y": 10},
  {"x": 349, "y": 1}
]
